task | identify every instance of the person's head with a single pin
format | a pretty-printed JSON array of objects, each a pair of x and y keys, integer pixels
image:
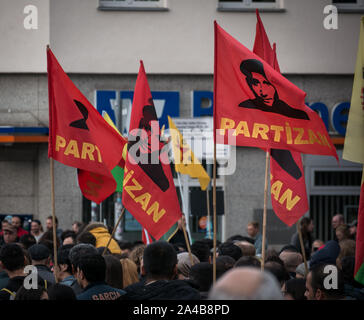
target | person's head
[
  {"x": 246, "y": 283},
  {"x": 11, "y": 257},
  {"x": 125, "y": 247},
  {"x": 294, "y": 289},
  {"x": 64, "y": 267},
  {"x": 328, "y": 254},
  {"x": 114, "y": 271},
  {"x": 347, "y": 249},
  {"x": 68, "y": 237},
  {"x": 202, "y": 275},
  {"x": 324, "y": 282},
  {"x": 342, "y": 232},
  {"x": 16, "y": 222},
  {"x": 252, "y": 228},
  {"x": 91, "y": 268},
  {"x": 230, "y": 249},
  {"x": 301, "y": 270},
  {"x": 201, "y": 250},
  {"x": 316, "y": 245},
  {"x": 31, "y": 294},
  {"x": 86, "y": 237},
  {"x": 337, "y": 220},
  {"x": 184, "y": 264},
  {"x": 238, "y": 237},
  {"x": 306, "y": 225},
  {"x": 76, "y": 226},
  {"x": 61, "y": 292},
  {"x": 10, "y": 234},
  {"x": 258, "y": 82},
  {"x": 159, "y": 261},
  {"x": 49, "y": 222},
  {"x": 248, "y": 261},
  {"x": 78, "y": 251},
  {"x": 27, "y": 240},
  {"x": 246, "y": 248},
  {"x": 291, "y": 260},
  {"x": 352, "y": 227},
  {"x": 4, "y": 223},
  {"x": 40, "y": 254},
  {"x": 223, "y": 264},
  {"x": 278, "y": 270},
  {"x": 47, "y": 240},
  {"x": 130, "y": 272},
  {"x": 36, "y": 227},
  {"x": 136, "y": 255}
]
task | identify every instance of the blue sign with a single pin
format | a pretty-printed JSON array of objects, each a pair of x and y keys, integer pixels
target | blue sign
[{"x": 166, "y": 103}]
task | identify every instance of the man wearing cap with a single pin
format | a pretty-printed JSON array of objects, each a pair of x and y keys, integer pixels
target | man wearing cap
[
  {"x": 41, "y": 258},
  {"x": 9, "y": 234},
  {"x": 352, "y": 229}
]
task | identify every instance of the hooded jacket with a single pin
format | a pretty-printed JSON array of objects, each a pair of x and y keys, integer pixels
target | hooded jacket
[
  {"x": 102, "y": 235},
  {"x": 161, "y": 290}
]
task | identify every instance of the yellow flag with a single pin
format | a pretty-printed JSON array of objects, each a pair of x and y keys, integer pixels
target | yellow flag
[
  {"x": 184, "y": 159},
  {"x": 354, "y": 138}
]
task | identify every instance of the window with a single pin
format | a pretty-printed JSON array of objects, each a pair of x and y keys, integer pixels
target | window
[
  {"x": 250, "y": 5},
  {"x": 158, "y": 5},
  {"x": 349, "y": 5}
]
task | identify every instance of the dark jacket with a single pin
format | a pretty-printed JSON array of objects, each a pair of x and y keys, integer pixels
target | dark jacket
[
  {"x": 72, "y": 282},
  {"x": 45, "y": 273},
  {"x": 100, "y": 291},
  {"x": 4, "y": 278},
  {"x": 161, "y": 290},
  {"x": 13, "y": 286}
]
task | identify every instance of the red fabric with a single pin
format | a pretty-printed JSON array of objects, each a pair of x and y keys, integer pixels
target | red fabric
[
  {"x": 149, "y": 192},
  {"x": 299, "y": 129},
  {"x": 79, "y": 136},
  {"x": 22, "y": 232},
  {"x": 289, "y": 197}
]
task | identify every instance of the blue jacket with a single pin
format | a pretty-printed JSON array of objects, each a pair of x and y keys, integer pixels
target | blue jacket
[{"x": 100, "y": 291}]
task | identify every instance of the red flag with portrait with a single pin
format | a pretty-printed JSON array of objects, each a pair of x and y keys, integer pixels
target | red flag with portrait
[
  {"x": 288, "y": 186},
  {"x": 78, "y": 135},
  {"x": 149, "y": 193},
  {"x": 256, "y": 106}
]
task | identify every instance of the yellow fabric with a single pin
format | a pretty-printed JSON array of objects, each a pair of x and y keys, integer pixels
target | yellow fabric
[
  {"x": 102, "y": 238},
  {"x": 354, "y": 138},
  {"x": 185, "y": 161}
]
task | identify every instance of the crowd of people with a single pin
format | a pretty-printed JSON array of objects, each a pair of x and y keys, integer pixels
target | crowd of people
[{"x": 91, "y": 266}]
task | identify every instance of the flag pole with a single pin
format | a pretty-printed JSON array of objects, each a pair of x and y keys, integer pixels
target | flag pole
[
  {"x": 267, "y": 156},
  {"x": 113, "y": 232},
  {"x": 208, "y": 212},
  {"x": 55, "y": 258},
  {"x": 214, "y": 215},
  {"x": 302, "y": 247}
]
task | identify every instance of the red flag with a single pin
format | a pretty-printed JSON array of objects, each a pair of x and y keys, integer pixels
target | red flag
[
  {"x": 261, "y": 107},
  {"x": 149, "y": 193},
  {"x": 288, "y": 186},
  {"x": 78, "y": 135},
  {"x": 146, "y": 238}
]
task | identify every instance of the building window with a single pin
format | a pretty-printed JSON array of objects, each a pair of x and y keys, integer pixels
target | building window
[
  {"x": 157, "y": 5},
  {"x": 349, "y": 5},
  {"x": 250, "y": 5}
]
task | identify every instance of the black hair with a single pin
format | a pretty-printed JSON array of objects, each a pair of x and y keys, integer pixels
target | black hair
[
  {"x": 247, "y": 67},
  {"x": 125, "y": 245},
  {"x": 230, "y": 249},
  {"x": 93, "y": 267},
  {"x": 37, "y": 222},
  {"x": 101, "y": 250},
  {"x": 223, "y": 264},
  {"x": 114, "y": 271},
  {"x": 209, "y": 242},
  {"x": 30, "y": 294},
  {"x": 27, "y": 240},
  {"x": 296, "y": 288},
  {"x": 248, "y": 261},
  {"x": 12, "y": 256},
  {"x": 202, "y": 274},
  {"x": 61, "y": 292},
  {"x": 55, "y": 218},
  {"x": 63, "y": 258},
  {"x": 278, "y": 270},
  {"x": 318, "y": 275},
  {"x": 159, "y": 260},
  {"x": 86, "y": 237},
  {"x": 68, "y": 233},
  {"x": 239, "y": 237},
  {"x": 201, "y": 250},
  {"x": 80, "y": 250}
]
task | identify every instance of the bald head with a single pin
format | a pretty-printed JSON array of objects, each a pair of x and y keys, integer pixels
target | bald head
[
  {"x": 246, "y": 283},
  {"x": 291, "y": 260},
  {"x": 337, "y": 220}
]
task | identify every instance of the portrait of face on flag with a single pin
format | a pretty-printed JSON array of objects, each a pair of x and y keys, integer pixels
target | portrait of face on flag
[
  {"x": 79, "y": 137},
  {"x": 149, "y": 193},
  {"x": 259, "y": 106}
]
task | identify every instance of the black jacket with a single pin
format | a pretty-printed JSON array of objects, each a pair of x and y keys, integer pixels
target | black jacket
[{"x": 161, "y": 290}]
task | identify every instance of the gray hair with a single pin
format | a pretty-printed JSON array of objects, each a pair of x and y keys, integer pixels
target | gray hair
[
  {"x": 80, "y": 250},
  {"x": 268, "y": 289}
]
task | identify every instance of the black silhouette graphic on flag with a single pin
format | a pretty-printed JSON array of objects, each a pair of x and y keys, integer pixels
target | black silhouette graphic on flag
[
  {"x": 153, "y": 170},
  {"x": 266, "y": 95},
  {"x": 81, "y": 123}
]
